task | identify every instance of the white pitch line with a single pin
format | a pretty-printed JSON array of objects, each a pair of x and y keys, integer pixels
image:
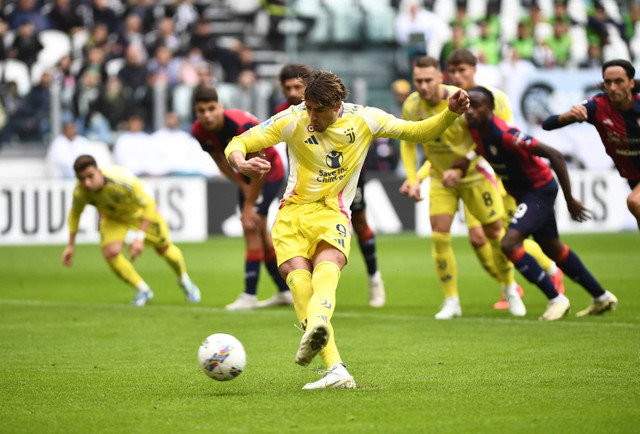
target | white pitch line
[{"x": 373, "y": 315}]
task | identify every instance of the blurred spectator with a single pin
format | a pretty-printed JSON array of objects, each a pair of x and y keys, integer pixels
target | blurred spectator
[
  {"x": 133, "y": 148},
  {"x": 31, "y": 119},
  {"x": 4, "y": 28},
  {"x": 487, "y": 45},
  {"x": 28, "y": 11},
  {"x": 190, "y": 65},
  {"x": 65, "y": 149},
  {"x": 182, "y": 152},
  {"x": 599, "y": 24},
  {"x": 594, "y": 58},
  {"x": 458, "y": 41},
  {"x": 92, "y": 123},
  {"x": 246, "y": 94},
  {"x": 66, "y": 80},
  {"x": 185, "y": 16},
  {"x": 133, "y": 76},
  {"x": 203, "y": 40},
  {"x": 414, "y": 28},
  {"x": 523, "y": 43},
  {"x": 112, "y": 104},
  {"x": 401, "y": 89},
  {"x": 559, "y": 44},
  {"x": 3, "y": 120},
  {"x": 101, "y": 12},
  {"x": 95, "y": 61},
  {"x": 164, "y": 68},
  {"x": 164, "y": 35},
  {"x": 65, "y": 16},
  {"x": 132, "y": 32},
  {"x": 560, "y": 13},
  {"x": 99, "y": 37},
  {"x": 26, "y": 44}
]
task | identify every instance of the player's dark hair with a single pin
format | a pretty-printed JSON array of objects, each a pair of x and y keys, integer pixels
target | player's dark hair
[
  {"x": 84, "y": 161},
  {"x": 460, "y": 56},
  {"x": 293, "y": 70},
  {"x": 325, "y": 89},
  {"x": 205, "y": 94},
  {"x": 486, "y": 92},
  {"x": 426, "y": 62}
]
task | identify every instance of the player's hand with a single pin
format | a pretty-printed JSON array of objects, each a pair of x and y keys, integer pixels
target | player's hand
[
  {"x": 414, "y": 192},
  {"x": 451, "y": 178},
  {"x": 578, "y": 212},
  {"x": 250, "y": 219},
  {"x": 135, "y": 248},
  {"x": 404, "y": 188},
  {"x": 67, "y": 255},
  {"x": 459, "y": 102},
  {"x": 254, "y": 168},
  {"x": 579, "y": 112}
]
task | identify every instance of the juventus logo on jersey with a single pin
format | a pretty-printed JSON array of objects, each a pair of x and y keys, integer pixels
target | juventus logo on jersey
[
  {"x": 351, "y": 135},
  {"x": 311, "y": 141}
]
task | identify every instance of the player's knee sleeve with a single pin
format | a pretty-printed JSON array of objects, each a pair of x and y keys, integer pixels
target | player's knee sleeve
[
  {"x": 299, "y": 282},
  {"x": 124, "y": 270}
]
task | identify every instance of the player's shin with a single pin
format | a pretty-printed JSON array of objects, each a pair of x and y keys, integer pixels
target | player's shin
[
  {"x": 532, "y": 248},
  {"x": 504, "y": 267},
  {"x": 124, "y": 270},
  {"x": 324, "y": 281},
  {"x": 175, "y": 259},
  {"x": 485, "y": 256},
  {"x": 299, "y": 282},
  {"x": 445, "y": 263}
]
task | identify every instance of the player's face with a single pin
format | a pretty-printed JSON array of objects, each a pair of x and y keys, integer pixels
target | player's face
[
  {"x": 479, "y": 111},
  {"x": 462, "y": 75},
  {"x": 321, "y": 117},
  {"x": 91, "y": 178},
  {"x": 210, "y": 114},
  {"x": 427, "y": 83},
  {"x": 618, "y": 86},
  {"x": 293, "y": 89}
]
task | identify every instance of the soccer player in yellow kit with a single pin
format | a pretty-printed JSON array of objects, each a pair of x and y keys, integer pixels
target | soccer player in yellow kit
[
  {"x": 123, "y": 204},
  {"x": 478, "y": 189},
  {"x": 328, "y": 141},
  {"x": 461, "y": 66}
]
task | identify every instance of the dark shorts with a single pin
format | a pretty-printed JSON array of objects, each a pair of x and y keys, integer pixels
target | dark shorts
[
  {"x": 270, "y": 192},
  {"x": 358, "y": 204},
  {"x": 535, "y": 214},
  {"x": 633, "y": 183}
]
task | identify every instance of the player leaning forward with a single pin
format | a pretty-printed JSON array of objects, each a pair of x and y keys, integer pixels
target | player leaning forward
[
  {"x": 328, "y": 141},
  {"x": 120, "y": 198}
]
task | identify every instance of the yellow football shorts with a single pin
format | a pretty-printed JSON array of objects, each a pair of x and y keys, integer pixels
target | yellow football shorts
[
  {"x": 481, "y": 198},
  {"x": 300, "y": 227},
  {"x": 157, "y": 233},
  {"x": 508, "y": 202}
]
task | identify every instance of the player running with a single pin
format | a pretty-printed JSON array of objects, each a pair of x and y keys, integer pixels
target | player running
[
  {"x": 214, "y": 129},
  {"x": 328, "y": 141},
  {"x": 461, "y": 66},
  {"x": 119, "y": 197},
  {"x": 293, "y": 89},
  {"x": 478, "y": 189},
  {"x": 616, "y": 115},
  {"x": 516, "y": 158}
]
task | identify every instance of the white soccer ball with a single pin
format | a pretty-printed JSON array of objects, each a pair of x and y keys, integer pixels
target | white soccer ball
[{"x": 222, "y": 357}]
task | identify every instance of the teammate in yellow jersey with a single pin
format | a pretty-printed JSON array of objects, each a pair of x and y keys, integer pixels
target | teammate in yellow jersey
[
  {"x": 478, "y": 189},
  {"x": 328, "y": 141},
  {"x": 123, "y": 204},
  {"x": 461, "y": 66}
]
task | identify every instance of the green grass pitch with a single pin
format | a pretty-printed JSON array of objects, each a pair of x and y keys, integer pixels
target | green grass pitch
[{"x": 77, "y": 358}]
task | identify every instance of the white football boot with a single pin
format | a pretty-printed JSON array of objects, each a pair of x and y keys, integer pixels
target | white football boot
[
  {"x": 283, "y": 298},
  {"x": 337, "y": 377},
  {"x": 599, "y": 306},
  {"x": 142, "y": 297},
  {"x": 556, "y": 309},
  {"x": 450, "y": 309},
  {"x": 516, "y": 306},
  {"x": 377, "y": 296},
  {"x": 190, "y": 290},
  {"x": 243, "y": 302},
  {"x": 312, "y": 342}
]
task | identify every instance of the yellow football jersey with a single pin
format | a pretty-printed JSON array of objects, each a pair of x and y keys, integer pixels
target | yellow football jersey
[
  {"x": 454, "y": 143},
  {"x": 326, "y": 166},
  {"x": 501, "y": 106},
  {"x": 122, "y": 198}
]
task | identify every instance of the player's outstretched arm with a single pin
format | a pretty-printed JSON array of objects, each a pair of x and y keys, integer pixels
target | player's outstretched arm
[
  {"x": 576, "y": 209},
  {"x": 254, "y": 168},
  {"x": 459, "y": 102},
  {"x": 578, "y": 113}
]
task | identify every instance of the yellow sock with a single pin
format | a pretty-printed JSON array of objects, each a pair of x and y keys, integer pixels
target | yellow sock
[
  {"x": 299, "y": 282},
  {"x": 173, "y": 256},
  {"x": 445, "y": 263},
  {"x": 325, "y": 279},
  {"x": 124, "y": 270},
  {"x": 504, "y": 267},
  {"x": 532, "y": 248},
  {"x": 485, "y": 256}
]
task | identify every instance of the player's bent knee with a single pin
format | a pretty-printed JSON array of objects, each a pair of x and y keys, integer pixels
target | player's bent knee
[
  {"x": 112, "y": 250},
  {"x": 633, "y": 203}
]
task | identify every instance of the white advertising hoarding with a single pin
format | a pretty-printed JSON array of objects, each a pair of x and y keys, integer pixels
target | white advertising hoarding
[{"x": 35, "y": 211}]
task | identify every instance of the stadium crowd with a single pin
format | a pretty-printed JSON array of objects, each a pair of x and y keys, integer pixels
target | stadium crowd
[{"x": 99, "y": 62}]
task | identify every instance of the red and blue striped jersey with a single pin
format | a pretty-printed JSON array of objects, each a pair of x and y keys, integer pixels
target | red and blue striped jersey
[
  {"x": 509, "y": 151},
  {"x": 619, "y": 131},
  {"x": 235, "y": 123}
]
